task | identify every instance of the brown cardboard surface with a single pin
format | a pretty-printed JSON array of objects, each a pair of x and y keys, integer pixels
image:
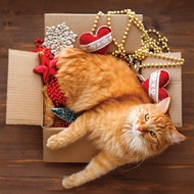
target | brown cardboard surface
[
  {"x": 80, "y": 151},
  {"x": 81, "y": 23},
  {"x": 175, "y": 86},
  {"x": 25, "y": 103},
  {"x": 24, "y": 89}
]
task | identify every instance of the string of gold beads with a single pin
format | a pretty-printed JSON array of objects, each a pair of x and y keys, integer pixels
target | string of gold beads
[
  {"x": 160, "y": 65},
  {"x": 96, "y": 21},
  {"x": 161, "y": 41},
  {"x": 149, "y": 45},
  {"x": 120, "y": 52},
  {"x": 156, "y": 46},
  {"x": 177, "y": 61},
  {"x": 165, "y": 57}
]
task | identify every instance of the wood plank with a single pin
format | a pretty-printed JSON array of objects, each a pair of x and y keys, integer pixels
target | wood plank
[{"x": 21, "y": 166}]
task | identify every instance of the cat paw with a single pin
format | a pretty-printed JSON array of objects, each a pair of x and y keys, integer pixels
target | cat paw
[
  {"x": 67, "y": 183},
  {"x": 53, "y": 143}
]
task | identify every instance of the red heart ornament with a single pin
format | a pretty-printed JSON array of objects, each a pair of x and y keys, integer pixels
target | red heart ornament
[
  {"x": 155, "y": 84},
  {"x": 98, "y": 43}
]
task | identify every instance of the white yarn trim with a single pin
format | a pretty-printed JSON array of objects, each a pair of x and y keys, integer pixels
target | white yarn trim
[
  {"x": 153, "y": 90},
  {"x": 98, "y": 44}
]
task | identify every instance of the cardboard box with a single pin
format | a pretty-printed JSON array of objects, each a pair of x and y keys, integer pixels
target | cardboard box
[
  {"x": 24, "y": 89},
  {"x": 174, "y": 88},
  {"x": 82, "y": 23},
  {"x": 25, "y": 107},
  {"x": 25, "y": 103}
]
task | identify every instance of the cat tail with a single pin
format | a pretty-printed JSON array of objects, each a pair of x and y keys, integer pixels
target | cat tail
[{"x": 101, "y": 164}]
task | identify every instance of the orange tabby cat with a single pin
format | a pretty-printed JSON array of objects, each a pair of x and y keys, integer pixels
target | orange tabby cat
[{"x": 117, "y": 114}]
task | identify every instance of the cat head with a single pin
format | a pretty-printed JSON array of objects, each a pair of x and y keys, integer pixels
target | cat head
[{"x": 153, "y": 129}]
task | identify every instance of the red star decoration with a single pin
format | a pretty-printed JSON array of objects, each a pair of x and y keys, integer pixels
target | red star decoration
[{"x": 47, "y": 67}]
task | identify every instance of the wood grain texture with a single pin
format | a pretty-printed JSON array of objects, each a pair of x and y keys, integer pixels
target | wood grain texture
[{"x": 21, "y": 166}]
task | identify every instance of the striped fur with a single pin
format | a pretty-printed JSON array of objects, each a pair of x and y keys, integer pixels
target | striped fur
[{"x": 112, "y": 104}]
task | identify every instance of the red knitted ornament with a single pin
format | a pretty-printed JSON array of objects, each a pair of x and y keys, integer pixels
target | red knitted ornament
[
  {"x": 98, "y": 43},
  {"x": 155, "y": 84}
]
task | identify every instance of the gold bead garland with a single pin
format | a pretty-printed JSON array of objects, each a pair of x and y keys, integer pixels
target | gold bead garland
[
  {"x": 120, "y": 52},
  {"x": 177, "y": 61},
  {"x": 96, "y": 21},
  {"x": 149, "y": 46},
  {"x": 162, "y": 41}
]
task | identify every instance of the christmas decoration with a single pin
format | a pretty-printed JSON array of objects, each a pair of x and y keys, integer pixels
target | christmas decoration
[
  {"x": 38, "y": 42},
  {"x": 65, "y": 114},
  {"x": 120, "y": 52},
  {"x": 60, "y": 123},
  {"x": 58, "y": 38},
  {"x": 149, "y": 45},
  {"x": 98, "y": 43},
  {"x": 54, "y": 93},
  {"x": 155, "y": 84},
  {"x": 47, "y": 67}
]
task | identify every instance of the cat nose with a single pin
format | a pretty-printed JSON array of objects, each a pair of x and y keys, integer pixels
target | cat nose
[{"x": 139, "y": 128}]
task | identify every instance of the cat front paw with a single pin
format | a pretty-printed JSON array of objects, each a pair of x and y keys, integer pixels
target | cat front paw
[{"x": 53, "y": 142}]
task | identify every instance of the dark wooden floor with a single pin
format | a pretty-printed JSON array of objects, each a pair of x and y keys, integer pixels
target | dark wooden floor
[{"x": 21, "y": 166}]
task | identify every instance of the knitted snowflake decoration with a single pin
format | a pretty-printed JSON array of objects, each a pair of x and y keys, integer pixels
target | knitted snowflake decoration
[{"x": 58, "y": 38}]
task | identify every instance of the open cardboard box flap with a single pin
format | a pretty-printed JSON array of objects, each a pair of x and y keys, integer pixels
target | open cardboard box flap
[
  {"x": 24, "y": 89},
  {"x": 83, "y": 23}
]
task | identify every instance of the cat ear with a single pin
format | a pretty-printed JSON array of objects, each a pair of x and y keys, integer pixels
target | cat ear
[
  {"x": 164, "y": 104},
  {"x": 176, "y": 137}
]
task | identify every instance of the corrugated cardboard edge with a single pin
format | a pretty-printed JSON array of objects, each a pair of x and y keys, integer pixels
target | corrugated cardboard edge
[
  {"x": 82, "y": 23},
  {"x": 24, "y": 89},
  {"x": 80, "y": 151},
  {"x": 175, "y": 86}
]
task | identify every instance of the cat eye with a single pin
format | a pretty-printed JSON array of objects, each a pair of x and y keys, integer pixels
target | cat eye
[
  {"x": 153, "y": 134},
  {"x": 147, "y": 117}
]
